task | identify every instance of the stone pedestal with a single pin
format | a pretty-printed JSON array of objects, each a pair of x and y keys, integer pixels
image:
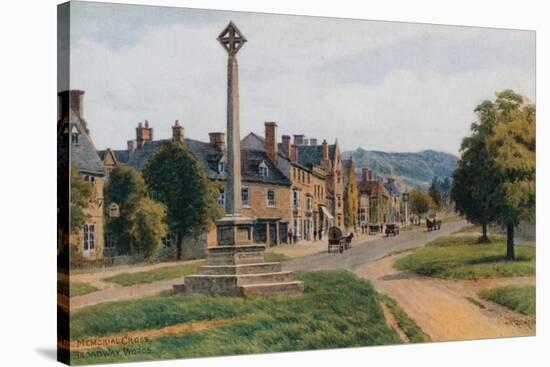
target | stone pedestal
[
  {"x": 239, "y": 271},
  {"x": 232, "y": 230}
]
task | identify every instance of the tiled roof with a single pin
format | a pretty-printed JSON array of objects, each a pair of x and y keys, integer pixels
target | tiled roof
[
  {"x": 373, "y": 188},
  {"x": 312, "y": 155},
  {"x": 208, "y": 156},
  {"x": 392, "y": 188},
  {"x": 83, "y": 154}
]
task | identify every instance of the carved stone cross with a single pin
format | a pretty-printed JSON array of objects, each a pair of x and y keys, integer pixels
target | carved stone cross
[{"x": 231, "y": 39}]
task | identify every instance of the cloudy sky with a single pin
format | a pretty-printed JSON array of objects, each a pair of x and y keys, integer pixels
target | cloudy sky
[{"x": 377, "y": 85}]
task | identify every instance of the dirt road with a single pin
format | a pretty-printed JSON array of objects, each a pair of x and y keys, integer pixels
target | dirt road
[{"x": 449, "y": 309}]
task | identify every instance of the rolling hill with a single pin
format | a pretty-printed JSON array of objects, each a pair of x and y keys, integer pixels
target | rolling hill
[{"x": 411, "y": 169}]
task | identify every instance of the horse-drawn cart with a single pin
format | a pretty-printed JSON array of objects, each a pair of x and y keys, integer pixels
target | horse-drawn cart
[
  {"x": 392, "y": 229},
  {"x": 337, "y": 242},
  {"x": 433, "y": 225}
]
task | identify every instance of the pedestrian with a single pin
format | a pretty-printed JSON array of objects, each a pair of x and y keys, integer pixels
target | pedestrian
[
  {"x": 314, "y": 235},
  {"x": 290, "y": 237}
]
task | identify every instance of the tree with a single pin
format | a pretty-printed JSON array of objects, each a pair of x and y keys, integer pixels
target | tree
[
  {"x": 176, "y": 178},
  {"x": 513, "y": 147},
  {"x": 147, "y": 226},
  {"x": 140, "y": 226},
  {"x": 475, "y": 178},
  {"x": 351, "y": 197},
  {"x": 435, "y": 192},
  {"x": 81, "y": 194},
  {"x": 420, "y": 202}
]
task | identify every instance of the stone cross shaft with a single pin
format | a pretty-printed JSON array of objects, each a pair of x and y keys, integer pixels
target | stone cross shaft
[{"x": 232, "y": 40}]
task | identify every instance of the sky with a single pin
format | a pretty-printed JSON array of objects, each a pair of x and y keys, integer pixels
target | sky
[{"x": 400, "y": 87}]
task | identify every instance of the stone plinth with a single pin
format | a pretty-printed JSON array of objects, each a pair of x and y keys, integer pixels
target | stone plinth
[
  {"x": 239, "y": 271},
  {"x": 233, "y": 230}
]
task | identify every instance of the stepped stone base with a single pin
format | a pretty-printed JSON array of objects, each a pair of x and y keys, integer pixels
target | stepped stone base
[{"x": 239, "y": 271}]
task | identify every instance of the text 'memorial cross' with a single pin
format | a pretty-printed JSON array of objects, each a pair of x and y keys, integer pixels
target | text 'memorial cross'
[{"x": 231, "y": 39}]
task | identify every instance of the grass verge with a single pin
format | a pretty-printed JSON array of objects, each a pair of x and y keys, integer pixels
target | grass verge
[
  {"x": 164, "y": 273},
  {"x": 405, "y": 323},
  {"x": 519, "y": 298},
  {"x": 80, "y": 289},
  {"x": 337, "y": 310},
  {"x": 461, "y": 257}
]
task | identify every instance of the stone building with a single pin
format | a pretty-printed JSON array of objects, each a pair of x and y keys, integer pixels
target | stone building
[
  {"x": 265, "y": 190},
  {"x": 372, "y": 186},
  {"x": 307, "y": 204},
  {"x": 88, "y": 242},
  {"x": 395, "y": 214}
]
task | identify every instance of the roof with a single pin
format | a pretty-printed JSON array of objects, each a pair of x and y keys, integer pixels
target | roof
[
  {"x": 373, "y": 188},
  {"x": 392, "y": 188},
  {"x": 312, "y": 155},
  {"x": 209, "y": 155},
  {"x": 83, "y": 154}
]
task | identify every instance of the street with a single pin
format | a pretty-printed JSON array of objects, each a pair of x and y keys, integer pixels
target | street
[{"x": 368, "y": 251}]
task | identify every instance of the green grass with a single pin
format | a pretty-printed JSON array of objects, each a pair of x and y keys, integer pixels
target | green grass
[
  {"x": 463, "y": 258},
  {"x": 469, "y": 229},
  {"x": 520, "y": 298},
  {"x": 272, "y": 257},
  {"x": 79, "y": 289},
  {"x": 164, "y": 273},
  {"x": 405, "y": 323},
  {"x": 337, "y": 310}
]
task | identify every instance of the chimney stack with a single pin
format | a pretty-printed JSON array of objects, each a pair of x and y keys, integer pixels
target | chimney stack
[
  {"x": 298, "y": 139},
  {"x": 286, "y": 145},
  {"x": 217, "y": 139},
  {"x": 70, "y": 99},
  {"x": 143, "y": 134},
  {"x": 178, "y": 133},
  {"x": 271, "y": 140},
  {"x": 312, "y": 141},
  {"x": 294, "y": 153},
  {"x": 325, "y": 150}
]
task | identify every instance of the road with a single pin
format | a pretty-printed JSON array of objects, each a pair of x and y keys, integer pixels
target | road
[{"x": 365, "y": 252}]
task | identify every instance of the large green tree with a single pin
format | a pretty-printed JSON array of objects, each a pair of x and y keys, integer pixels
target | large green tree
[
  {"x": 141, "y": 223},
  {"x": 176, "y": 178},
  {"x": 513, "y": 147},
  {"x": 81, "y": 194},
  {"x": 475, "y": 179}
]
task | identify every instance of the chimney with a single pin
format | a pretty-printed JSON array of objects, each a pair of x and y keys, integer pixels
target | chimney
[
  {"x": 286, "y": 145},
  {"x": 131, "y": 147},
  {"x": 298, "y": 139},
  {"x": 365, "y": 174},
  {"x": 70, "y": 99},
  {"x": 294, "y": 153},
  {"x": 312, "y": 141},
  {"x": 177, "y": 133},
  {"x": 143, "y": 134},
  {"x": 325, "y": 150},
  {"x": 271, "y": 140},
  {"x": 217, "y": 139}
]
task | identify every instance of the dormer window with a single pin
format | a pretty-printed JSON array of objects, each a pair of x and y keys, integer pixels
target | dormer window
[
  {"x": 75, "y": 135},
  {"x": 221, "y": 167},
  {"x": 263, "y": 170}
]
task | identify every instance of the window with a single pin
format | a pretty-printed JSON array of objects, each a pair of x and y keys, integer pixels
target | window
[
  {"x": 339, "y": 198},
  {"x": 221, "y": 167},
  {"x": 295, "y": 198},
  {"x": 89, "y": 179},
  {"x": 89, "y": 237},
  {"x": 221, "y": 197},
  {"x": 309, "y": 203},
  {"x": 75, "y": 135},
  {"x": 263, "y": 171},
  {"x": 271, "y": 198},
  {"x": 245, "y": 194}
]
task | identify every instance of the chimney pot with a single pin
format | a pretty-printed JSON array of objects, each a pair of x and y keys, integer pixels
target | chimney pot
[
  {"x": 217, "y": 139},
  {"x": 178, "y": 132},
  {"x": 325, "y": 150},
  {"x": 286, "y": 145},
  {"x": 294, "y": 153},
  {"x": 299, "y": 139}
]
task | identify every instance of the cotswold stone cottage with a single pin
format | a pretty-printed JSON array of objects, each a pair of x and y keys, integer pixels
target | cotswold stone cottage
[{"x": 88, "y": 242}]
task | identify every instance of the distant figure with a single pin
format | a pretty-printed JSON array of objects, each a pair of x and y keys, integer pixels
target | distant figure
[
  {"x": 295, "y": 238},
  {"x": 290, "y": 237},
  {"x": 315, "y": 235}
]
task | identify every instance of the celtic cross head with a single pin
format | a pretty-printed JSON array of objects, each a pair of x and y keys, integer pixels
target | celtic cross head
[{"x": 231, "y": 39}]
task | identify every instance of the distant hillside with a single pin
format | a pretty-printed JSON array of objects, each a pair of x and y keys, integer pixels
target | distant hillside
[{"x": 413, "y": 169}]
